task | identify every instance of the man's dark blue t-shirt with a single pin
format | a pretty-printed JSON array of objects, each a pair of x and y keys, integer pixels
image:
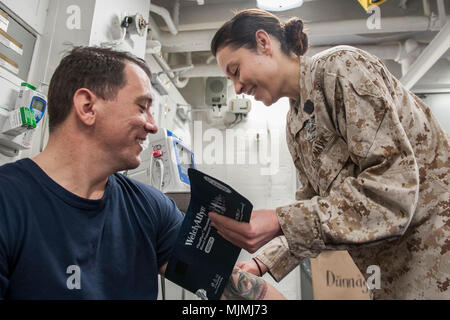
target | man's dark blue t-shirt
[{"x": 56, "y": 245}]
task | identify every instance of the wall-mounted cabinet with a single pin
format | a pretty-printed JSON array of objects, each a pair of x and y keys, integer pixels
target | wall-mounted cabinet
[{"x": 16, "y": 44}]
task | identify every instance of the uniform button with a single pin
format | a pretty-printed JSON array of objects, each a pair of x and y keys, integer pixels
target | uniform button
[{"x": 308, "y": 107}]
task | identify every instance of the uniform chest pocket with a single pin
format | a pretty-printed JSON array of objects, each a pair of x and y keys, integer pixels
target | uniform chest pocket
[
  {"x": 330, "y": 162},
  {"x": 324, "y": 154}
]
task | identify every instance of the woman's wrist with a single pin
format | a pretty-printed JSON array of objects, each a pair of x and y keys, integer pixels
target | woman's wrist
[{"x": 262, "y": 268}]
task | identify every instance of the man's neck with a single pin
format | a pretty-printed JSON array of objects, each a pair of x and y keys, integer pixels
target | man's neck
[{"x": 74, "y": 166}]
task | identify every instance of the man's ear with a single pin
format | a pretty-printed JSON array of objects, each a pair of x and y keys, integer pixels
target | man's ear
[
  {"x": 84, "y": 105},
  {"x": 264, "y": 44}
]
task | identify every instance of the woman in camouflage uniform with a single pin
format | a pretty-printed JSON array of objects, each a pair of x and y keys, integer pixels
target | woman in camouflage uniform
[{"x": 372, "y": 160}]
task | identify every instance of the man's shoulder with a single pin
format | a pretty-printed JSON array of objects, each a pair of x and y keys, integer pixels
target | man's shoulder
[
  {"x": 124, "y": 181},
  {"x": 15, "y": 188},
  {"x": 11, "y": 166},
  {"x": 133, "y": 189},
  {"x": 13, "y": 174},
  {"x": 137, "y": 188}
]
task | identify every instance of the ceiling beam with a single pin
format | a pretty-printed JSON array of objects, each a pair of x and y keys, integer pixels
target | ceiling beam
[
  {"x": 437, "y": 47},
  {"x": 200, "y": 40}
]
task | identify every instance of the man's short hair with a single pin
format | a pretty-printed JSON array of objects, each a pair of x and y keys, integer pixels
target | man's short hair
[{"x": 100, "y": 70}]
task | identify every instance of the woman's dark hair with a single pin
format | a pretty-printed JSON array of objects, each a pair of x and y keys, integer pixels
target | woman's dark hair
[
  {"x": 100, "y": 70},
  {"x": 240, "y": 32}
]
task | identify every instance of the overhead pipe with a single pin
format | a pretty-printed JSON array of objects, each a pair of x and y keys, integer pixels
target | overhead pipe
[
  {"x": 175, "y": 75},
  {"x": 153, "y": 47},
  {"x": 351, "y": 27},
  {"x": 434, "y": 51},
  {"x": 441, "y": 12},
  {"x": 210, "y": 59},
  {"x": 155, "y": 33},
  {"x": 200, "y": 40},
  {"x": 403, "y": 4},
  {"x": 432, "y": 88},
  {"x": 182, "y": 82},
  {"x": 404, "y": 54},
  {"x": 204, "y": 70},
  {"x": 176, "y": 13},
  {"x": 164, "y": 65},
  {"x": 408, "y": 54},
  {"x": 426, "y": 8},
  {"x": 164, "y": 13}
]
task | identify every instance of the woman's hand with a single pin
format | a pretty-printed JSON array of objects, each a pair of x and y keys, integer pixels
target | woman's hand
[
  {"x": 251, "y": 266},
  {"x": 262, "y": 228}
]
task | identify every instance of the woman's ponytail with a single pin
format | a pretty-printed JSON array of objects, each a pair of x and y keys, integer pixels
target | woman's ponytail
[{"x": 296, "y": 39}]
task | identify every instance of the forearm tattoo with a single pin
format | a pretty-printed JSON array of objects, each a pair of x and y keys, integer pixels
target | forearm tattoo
[{"x": 245, "y": 286}]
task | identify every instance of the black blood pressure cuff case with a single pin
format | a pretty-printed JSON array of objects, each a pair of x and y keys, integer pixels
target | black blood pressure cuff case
[{"x": 202, "y": 261}]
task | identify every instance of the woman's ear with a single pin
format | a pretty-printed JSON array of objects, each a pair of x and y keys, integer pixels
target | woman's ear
[
  {"x": 264, "y": 44},
  {"x": 84, "y": 101}
]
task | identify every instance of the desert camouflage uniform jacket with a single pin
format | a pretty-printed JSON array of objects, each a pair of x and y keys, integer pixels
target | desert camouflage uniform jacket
[{"x": 374, "y": 167}]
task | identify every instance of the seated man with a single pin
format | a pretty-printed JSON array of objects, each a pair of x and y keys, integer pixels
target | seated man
[{"x": 70, "y": 226}]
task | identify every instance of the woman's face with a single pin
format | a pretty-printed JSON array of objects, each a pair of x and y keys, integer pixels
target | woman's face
[{"x": 253, "y": 72}]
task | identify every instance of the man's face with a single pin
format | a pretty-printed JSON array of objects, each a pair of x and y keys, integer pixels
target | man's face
[{"x": 124, "y": 123}]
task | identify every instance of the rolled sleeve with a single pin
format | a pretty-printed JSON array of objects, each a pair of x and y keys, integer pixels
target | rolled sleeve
[{"x": 278, "y": 258}]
